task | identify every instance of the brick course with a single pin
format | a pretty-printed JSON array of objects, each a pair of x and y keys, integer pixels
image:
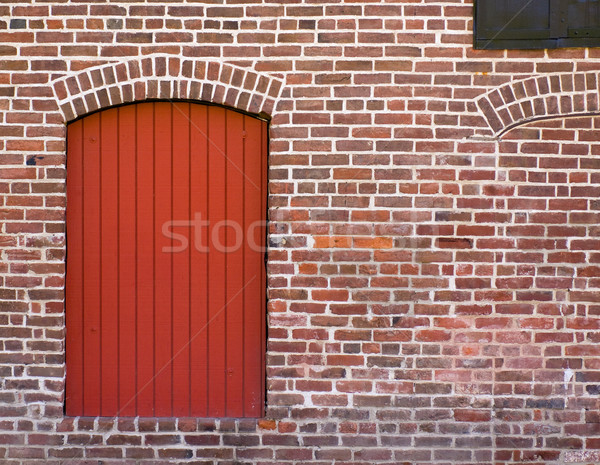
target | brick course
[{"x": 434, "y": 261}]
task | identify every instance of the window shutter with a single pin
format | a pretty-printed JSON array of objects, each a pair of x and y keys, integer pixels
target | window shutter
[
  {"x": 583, "y": 23},
  {"x": 511, "y": 23},
  {"x": 536, "y": 24}
]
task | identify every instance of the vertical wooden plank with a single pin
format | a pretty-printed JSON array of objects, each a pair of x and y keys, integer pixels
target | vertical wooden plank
[
  {"x": 254, "y": 305},
  {"x": 181, "y": 259},
  {"x": 264, "y": 185},
  {"x": 74, "y": 276},
  {"x": 236, "y": 279},
  {"x": 127, "y": 259},
  {"x": 145, "y": 259},
  {"x": 217, "y": 349},
  {"x": 92, "y": 299},
  {"x": 199, "y": 272},
  {"x": 163, "y": 291},
  {"x": 109, "y": 214}
]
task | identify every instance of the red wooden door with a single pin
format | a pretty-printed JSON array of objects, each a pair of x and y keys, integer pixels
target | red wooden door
[{"x": 165, "y": 287}]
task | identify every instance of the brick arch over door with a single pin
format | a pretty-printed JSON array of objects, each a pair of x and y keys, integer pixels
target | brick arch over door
[
  {"x": 166, "y": 77},
  {"x": 539, "y": 97}
]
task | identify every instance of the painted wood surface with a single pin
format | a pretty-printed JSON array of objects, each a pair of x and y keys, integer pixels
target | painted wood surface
[{"x": 165, "y": 293}]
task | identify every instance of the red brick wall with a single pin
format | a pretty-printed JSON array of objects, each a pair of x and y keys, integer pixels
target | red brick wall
[{"x": 434, "y": 270}]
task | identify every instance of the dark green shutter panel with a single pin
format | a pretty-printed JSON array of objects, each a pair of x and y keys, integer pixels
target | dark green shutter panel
[
  {"x": 536, "y": 24},
  {"x": 583, "y": 23}
]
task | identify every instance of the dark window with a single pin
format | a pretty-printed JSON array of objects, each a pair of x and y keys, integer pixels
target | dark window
[{"x": 536, "y": 24}]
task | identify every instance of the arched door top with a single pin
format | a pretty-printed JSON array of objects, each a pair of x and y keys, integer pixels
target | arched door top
[{"x": 168, "y": 78}]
